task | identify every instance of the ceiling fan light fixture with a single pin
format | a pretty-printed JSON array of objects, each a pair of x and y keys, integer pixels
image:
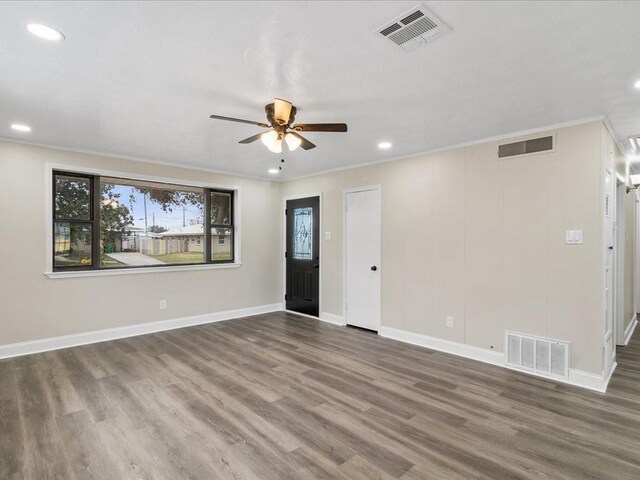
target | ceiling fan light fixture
[
  {"x": 293, "y": 142},
  {"x": 269, "y": 138},
  {"x": 276, "y": 146}
]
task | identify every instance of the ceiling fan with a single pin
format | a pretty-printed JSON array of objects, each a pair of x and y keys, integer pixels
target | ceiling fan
[{"x": 280, "y": 116}]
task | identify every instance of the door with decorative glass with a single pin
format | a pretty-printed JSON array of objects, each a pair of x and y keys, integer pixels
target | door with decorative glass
[{"x": 303, "y": 255}]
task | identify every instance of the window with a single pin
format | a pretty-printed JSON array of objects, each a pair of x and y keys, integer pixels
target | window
[
  {"x": 303, "y": 233},
  {"x": 73, "y": 222},
  {"x": 109, "y": 223},
  {"x": 221, "y": 226}
]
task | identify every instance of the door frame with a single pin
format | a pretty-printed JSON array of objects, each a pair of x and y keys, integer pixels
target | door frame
[
  {"x": 636, "y": 277},
  {"x": 284, "y": 250},
  {"x": 609, "y": 333},
  {"x": 345, "y": 192},
  {"x": 619, "y": 242}
]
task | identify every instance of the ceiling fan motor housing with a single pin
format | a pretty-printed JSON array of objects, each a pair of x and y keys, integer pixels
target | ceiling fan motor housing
[{"x": 270, "y": 110}]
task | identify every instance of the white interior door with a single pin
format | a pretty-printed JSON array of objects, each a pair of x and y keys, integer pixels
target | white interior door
[{"x": 362, "y": 258}]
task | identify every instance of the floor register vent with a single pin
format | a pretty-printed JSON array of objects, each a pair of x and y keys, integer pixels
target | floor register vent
[{"x": 540, "y": 355}]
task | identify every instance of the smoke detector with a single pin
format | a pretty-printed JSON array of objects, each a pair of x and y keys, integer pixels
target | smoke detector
[{"x": 414, "y": 28}]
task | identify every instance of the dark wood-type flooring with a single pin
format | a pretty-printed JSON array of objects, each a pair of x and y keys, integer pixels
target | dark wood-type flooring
[{"x": 280, "y": 396}]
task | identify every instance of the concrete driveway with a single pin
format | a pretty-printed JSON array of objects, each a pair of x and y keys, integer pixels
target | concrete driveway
[{"x": 134, "y": 259}]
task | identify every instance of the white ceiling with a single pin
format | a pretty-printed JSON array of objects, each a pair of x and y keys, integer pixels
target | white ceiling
[{"x": 140, "y": 79}]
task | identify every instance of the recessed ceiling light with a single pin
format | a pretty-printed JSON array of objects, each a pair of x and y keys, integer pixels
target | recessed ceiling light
[
  {"x": 20, "y": 127},
  {"x": 637, "y": 84},
  {"x": 273, "y": 171},
  {"x": 384, "y": 145},
  {"x": 45, "y": 32}
]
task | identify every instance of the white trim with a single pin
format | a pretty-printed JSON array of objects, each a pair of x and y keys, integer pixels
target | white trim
[
  {"x": 107, "y": 155},
  {"x": 50, "y": 167},
  {"x": 619, "y": 254},
  {"x": 333, "y": 319},
  {"x": 607, "y": 124},
  {"x": 448, "y": 346},
  {"x": 135, "y": 271},
  {"x": 85, "y": 338},
  {"x": 137, "y": 176},
  {"x": 522, "y": 133},
  {"x": 346, "y": 192},
  {"x": 572, "y": 123},
  {"x": 284, "y": 248},
  {"x": 628, "y": 333},
  {"x": 577, "y": 378}
]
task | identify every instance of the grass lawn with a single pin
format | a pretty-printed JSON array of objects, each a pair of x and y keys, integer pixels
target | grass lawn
[{"x": 187, "y": 257}]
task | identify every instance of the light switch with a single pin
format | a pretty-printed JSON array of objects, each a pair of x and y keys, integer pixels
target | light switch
[
  {"x": 327, "y": 235},
  {"x": 574, "y": 237}
]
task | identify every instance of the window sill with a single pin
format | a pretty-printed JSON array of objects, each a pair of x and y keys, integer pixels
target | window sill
[{"x": 139, "y": 270}]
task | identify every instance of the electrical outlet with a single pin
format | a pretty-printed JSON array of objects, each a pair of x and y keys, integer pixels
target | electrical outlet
[
  {"x": 450, "y": 322},
  {"x": 163, "y": 304}
]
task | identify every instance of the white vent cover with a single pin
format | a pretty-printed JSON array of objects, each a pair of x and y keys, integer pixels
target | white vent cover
[
  {"x": 543, "y": 356},
  {"x": 413, "y": 28}
]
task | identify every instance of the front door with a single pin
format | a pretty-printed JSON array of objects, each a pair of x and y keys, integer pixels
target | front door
[{"x": 303, "y": 255}]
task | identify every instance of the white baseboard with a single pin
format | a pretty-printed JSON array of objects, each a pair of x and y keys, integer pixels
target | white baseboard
[
  {"x": 628, "y": 333},
  {"x": 331, "y": 318},
  {"x": 577, "y": 378},
  {"x": 85, "y": 338},
  {"x": 448, "y": 346}
]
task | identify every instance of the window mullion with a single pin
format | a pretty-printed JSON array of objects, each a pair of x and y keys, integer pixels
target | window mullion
[
  {"x": 95, "y": 222},
  {"x": 207, "y": 225}
]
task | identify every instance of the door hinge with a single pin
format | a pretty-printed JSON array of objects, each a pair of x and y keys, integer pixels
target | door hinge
[
  {"x": 285, "y": 211},
  {"x": 285, "y": 297},
  {"x": 285, "y": 254}
]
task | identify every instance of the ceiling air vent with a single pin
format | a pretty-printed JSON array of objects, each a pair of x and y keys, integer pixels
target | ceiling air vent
[
  {"x": 535, "y": 145},
  {"x": 413, "y": 28}
]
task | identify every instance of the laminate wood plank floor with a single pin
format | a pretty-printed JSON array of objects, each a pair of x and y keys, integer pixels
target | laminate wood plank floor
[{"x": 283, "y": 396}]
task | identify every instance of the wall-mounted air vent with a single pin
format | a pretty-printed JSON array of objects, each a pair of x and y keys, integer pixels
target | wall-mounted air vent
[
  {"x": 635, "y": 143},
  {"x": 535, "y": 145},
  {"x": 413, "y": 28},
  {"x": 543, "y": 356}
]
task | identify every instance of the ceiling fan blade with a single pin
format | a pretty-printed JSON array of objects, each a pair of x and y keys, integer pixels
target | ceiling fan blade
[
  {"x": 320, "y": 127},
  {"x": 306, "y": 144},
  {"x": 239, "y": 120},
  {"x": 251, "y": 139},
  {"x": 282, "y": 110}
]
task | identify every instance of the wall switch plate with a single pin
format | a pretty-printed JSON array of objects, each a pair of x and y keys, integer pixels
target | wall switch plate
[
  {"x": 450, "y": 322},
  {"x": 573, "y": 237},
  {"x": 327, "y": 235},
  {"x": 163, "y": 304}
]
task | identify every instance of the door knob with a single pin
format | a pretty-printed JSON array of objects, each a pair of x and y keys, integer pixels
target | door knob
[
  {"x": 317, "y": 265},
  {"x": 374, "y": 268}
]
